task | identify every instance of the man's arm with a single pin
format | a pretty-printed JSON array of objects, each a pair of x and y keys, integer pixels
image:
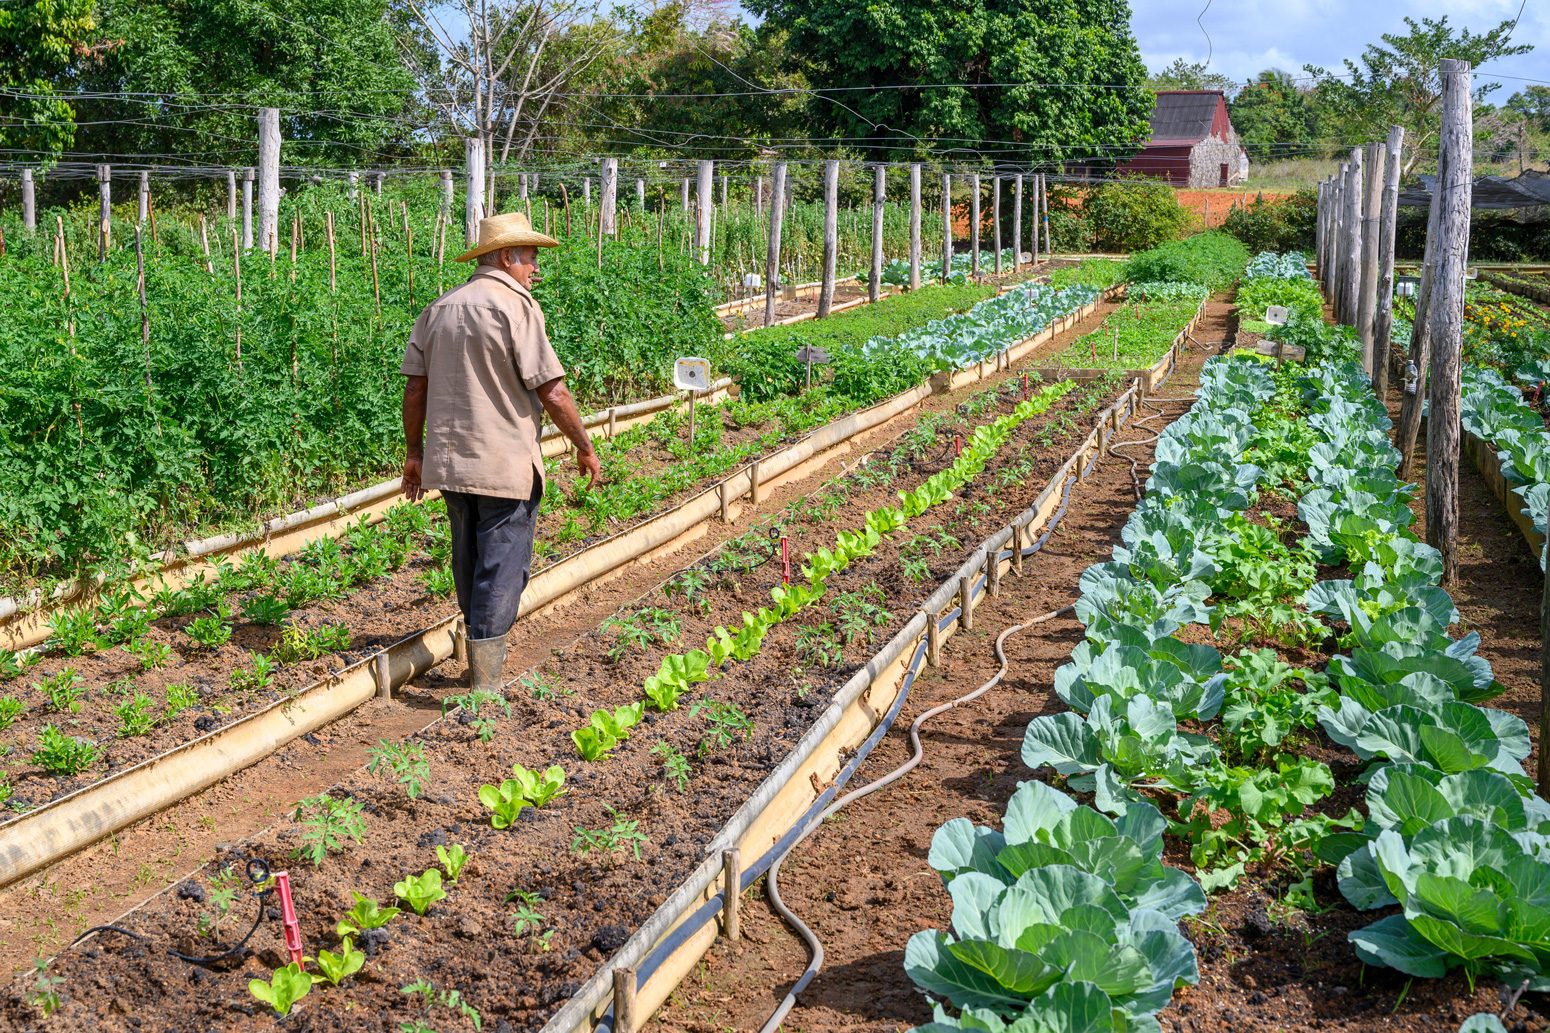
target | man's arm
[
  {"x": 561, "y": 407},
  {"x": 415, "y": 389}
]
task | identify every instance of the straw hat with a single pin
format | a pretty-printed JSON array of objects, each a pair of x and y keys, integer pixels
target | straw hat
[{"x": 513, "y": 230}]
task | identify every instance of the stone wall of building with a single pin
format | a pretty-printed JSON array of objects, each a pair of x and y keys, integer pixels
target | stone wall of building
[{"x": 1208, "y": 156}]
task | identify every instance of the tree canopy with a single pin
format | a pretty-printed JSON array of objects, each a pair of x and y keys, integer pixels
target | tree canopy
[{"x": 1020, "y": 79}]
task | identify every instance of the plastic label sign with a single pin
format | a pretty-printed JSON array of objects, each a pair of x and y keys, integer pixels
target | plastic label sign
[
  {"x": 1472, "y": 273},
  {"x": 691, "y": 374},
  {"x": 1276, "y": 315},
  {"x": 753, "y": 280}
]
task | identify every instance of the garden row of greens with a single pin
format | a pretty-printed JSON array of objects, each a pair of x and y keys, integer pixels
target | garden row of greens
[
  {"x": 1140, "y": 331},
  {"x": 1066, "y": 912}
]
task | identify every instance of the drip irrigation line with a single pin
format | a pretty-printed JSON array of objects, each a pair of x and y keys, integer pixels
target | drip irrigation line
[{"x": 258, "y": 872}]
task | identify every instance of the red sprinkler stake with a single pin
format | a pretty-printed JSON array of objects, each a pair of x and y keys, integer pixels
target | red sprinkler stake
[
  {"x": 957, "y": 444},
  {"x": 282, "y": 883},
  {"x": 785, "y": 561},
  {"x": 1025, "y": 387}
]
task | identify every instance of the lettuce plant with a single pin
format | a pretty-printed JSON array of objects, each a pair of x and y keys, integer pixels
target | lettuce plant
[
  {"x": 420, "y": 891},
  {"x": 287, "y": 986},
  {"x": 606, "y": 730}
]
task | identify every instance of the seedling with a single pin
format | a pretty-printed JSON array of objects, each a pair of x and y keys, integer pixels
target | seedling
[
  {"x": 63, "y": 754},
  {"x": 474, "y": 702},
  {"x": 179, "y": 699},
  {"x": 452, "y": 1000},
  {"x": 63, "y": 691},
  {"x": 526, "y": 918},
  {"x": 858, "y": 613},
  {"x": 10, "y": 710},
  {"x": 726, "y": 720},
  {"x": 224, "y": 887},
  {"x": 420, "y": 891},
  {"x": 605, "y": 731},
  {"x": 150, "y": 653},
  {"x": 208, "y": 632},
  {"x": 621, "y": 834},
  {"x": 297, "y": 644},
  {"x": 329, "y": 823},
  {"x": 438, "y": 582},
  {"x": 692, "y": 585},
  {"x": 44, "y": 995},
  {"x": 675, "y": 766},
  {"x": 452, "y": 860},
  {"x": 75, "y": 632},
  {"x": 366, "y": 914},
  {"x": 10, "y": 665},
  {"x": 258, "y": 675},
  {"x": 265, "y": 610},
  {"x": 524, "y": 789},
  {"x": 288, "y": 985},
  {"x": 406, "y": 761},
  {"x": 915, "y": 570},
  {"x": 134, "y": 716},
  {"x": 819, "y": 646},
  {"x": 540, "y": 687},
  {"x": 339, "y": 966}
]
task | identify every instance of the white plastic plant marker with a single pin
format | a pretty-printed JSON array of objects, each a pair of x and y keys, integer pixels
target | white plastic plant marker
[
  {"x": 752, "y": 280},
  {"x": 691, "y": 374},
  {"x": 1276, "y": 315},
  {"x": 1472, "y": 273}
]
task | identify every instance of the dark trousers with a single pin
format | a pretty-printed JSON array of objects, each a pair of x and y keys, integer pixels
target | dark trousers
[{"x": 492, "y": 553}]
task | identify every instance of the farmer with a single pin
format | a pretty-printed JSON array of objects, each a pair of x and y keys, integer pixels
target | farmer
[{"x": 479, "y": 366}]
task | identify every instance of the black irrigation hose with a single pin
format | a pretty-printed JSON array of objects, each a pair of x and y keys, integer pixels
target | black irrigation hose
[
  {"x": 258, "y": 872},
  {"x": 785, "y": 848}
]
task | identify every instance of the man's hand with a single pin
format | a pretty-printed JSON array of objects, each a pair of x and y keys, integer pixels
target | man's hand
[
  {"x": 411, "y": 486},
  {"x": 587, "y": 462},
  {"x": 561, "y": 407}
]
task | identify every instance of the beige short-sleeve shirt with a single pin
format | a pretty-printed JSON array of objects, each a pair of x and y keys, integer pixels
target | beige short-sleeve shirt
[{"x": 483, "y": 351}]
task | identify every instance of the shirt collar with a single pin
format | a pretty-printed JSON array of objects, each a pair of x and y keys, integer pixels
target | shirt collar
[{"x": 502, "y": 277}]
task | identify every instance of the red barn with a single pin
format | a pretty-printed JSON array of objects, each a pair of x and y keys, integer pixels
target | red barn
[{"x": 1193, "y": 142}]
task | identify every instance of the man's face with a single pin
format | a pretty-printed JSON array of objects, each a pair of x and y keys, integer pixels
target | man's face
[{"x": 522, "y": 264}]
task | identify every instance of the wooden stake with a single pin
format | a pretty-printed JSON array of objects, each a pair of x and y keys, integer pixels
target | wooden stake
[
  {"x": 732, "y": 893},
  {"x": 204, "y": 245},
  {"x": 145, "y": 315},
  {"x": 772, "y": 252},
  {"x": 409, "y": 250},
  {"x": 371, "y": 226},
  {"x": 236, "y": 272},
  {"x": 755, "y": 496},
  {"x": 1017, "y": 550},
  {"x": 1383, "y": 320},
  {"x": 624, "y": 1000},
  {"x": 295, "y": 230},
  {"x": 966, "y": 602},
  {"x": 328, "y": 222},
  {"x": 831, "y": 188},
  {"x": 565, "y": 196},
  {"x": 933, "y": 639}
]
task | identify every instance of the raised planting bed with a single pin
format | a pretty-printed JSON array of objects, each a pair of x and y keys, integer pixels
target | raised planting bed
[
  {"x": 84, "y": 805},
  {"x": 1493, "y": 410},
  {"x": 1151, "y": 331},
  {"x": 582, "y": 898}
]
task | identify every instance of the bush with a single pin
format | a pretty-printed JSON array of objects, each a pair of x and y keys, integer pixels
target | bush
[
  {"x": 1214, "y": 259},
  {"x": 1134, "y": 215},
  {"x": 1276, "y": 223}
]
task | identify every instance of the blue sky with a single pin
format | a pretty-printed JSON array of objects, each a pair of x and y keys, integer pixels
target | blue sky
[{"x": 1247, "y": 36}]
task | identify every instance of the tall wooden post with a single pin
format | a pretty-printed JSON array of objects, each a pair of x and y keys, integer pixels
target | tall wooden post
[
  {"x": 29, "y": 203},
  {"x": 1383, "y": 321},
  {"x": 610, "y": 192},
  {"x": 947, "y": 226},
  {"x": 686, "y": 196},
  {"x": 704, "y": 194},
  {"x": 1367, "y": 291},
  {"x": 1319, "y": 214},
  {"x": 875, "y": 279},
  {"x": 143, "y": 207},
  {"x": 1446, "y": 313},
  {"x": 915, "y": 226},
  {"x": 447, "y": 193},
  {"x": 831, "y": 201},
  {"x": 248, "y": 176},
  {"x": 1420, "y": 354},
  {"x": 1351, "y": 280},
  {"x": 473, "y": 199},
  {"x": 974, "y": 224},
  {"x": 231, "y": 195},
  {"x": 640, "y": 193},
  {"x": 1017, "y": 222},
  {"x": 772, "y": 256},
  {"x": 1049, "y": 248},
  {"x": 995, "y": 216},
  {"x": 269, "y": 179},
  {"x": 104, "y": 211}
]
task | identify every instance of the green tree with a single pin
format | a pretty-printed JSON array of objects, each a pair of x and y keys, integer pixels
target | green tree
[
  {"x": 1398, "y": 83},
  {"x": 1533, "y": 104},
  {"x": 40, "y": 41},
  {"x": 330, "y": 66},
  {"x": 867, "y": 59},
  {"x": 1185, "y": 75},
  {"x": 1274, "y": 119}
]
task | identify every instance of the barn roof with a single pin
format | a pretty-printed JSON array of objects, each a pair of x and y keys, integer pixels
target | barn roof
[{"x": 1183, "y": 116}]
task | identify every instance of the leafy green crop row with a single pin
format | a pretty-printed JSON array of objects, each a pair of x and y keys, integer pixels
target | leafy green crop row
[
  {"x": 1214, "y": 259},
  {"x": 1494, "y": 411},
  {"x": 1139, "y": 332}
]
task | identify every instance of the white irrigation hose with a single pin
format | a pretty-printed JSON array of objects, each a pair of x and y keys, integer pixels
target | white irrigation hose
[{"x": 893, "y": 776}]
